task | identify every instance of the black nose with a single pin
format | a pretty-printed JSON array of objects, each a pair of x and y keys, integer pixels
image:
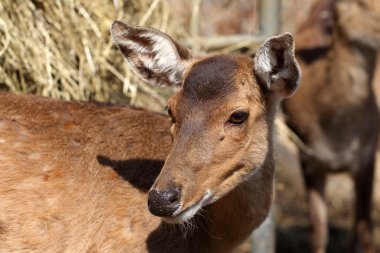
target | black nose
[{"x": 163, "y": 203}]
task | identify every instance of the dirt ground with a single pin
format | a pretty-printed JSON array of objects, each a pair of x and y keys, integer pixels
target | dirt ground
[{"x": 291, "y": 209}]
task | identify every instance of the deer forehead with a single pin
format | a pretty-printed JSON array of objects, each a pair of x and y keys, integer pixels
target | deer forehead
[
  {"x": 213, "y": 88},
  {"x": 217, "y": 77}
]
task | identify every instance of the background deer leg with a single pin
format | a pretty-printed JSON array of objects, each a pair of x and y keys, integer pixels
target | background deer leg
[
  {"x": 315, "y": 181},
  {"x": 362, "y": 237}
]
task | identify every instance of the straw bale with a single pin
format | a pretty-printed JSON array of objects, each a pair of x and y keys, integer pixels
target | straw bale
[{"x": 62, "y": 48}]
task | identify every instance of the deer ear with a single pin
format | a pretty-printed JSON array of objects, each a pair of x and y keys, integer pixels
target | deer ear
[
  {"x": 153, "y": 55},
  {"x": 276, "y": 66}
]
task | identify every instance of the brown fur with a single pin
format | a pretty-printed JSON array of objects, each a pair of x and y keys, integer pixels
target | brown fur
[
  {"x": 335, "y": 111},
  {"x": 74, "y": 176},
  {"x": 60, "y": 187}
]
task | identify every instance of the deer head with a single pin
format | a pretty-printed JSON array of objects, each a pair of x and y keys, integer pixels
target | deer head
[
  {"x": 222, "y": 115},
  {"x": 316, "y": 31},
  {"x": 354, "y": 19}
]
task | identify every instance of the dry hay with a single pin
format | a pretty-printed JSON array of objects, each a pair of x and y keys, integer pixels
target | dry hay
[{"x": 62, "y": 48}]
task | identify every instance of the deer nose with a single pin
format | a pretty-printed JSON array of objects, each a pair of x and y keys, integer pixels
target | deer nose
[{"x": 163, "y": 203}]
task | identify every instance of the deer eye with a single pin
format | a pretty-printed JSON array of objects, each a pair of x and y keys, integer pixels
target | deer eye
[{"x": 238, "y": 117}]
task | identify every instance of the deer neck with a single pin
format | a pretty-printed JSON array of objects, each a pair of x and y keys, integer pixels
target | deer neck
[
  {"x": 359, "y": 61},
  {"x": 232, "y": 219},
  {"x": 356, "y": 75}
]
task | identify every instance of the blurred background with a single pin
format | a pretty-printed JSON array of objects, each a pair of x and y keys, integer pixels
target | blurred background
[{"x": 62, "y": 49}]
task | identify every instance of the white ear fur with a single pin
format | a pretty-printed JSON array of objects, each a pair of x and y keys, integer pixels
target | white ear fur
[
  {"x": 276, "y": 66},
  {"x": 152, "y": 54}
]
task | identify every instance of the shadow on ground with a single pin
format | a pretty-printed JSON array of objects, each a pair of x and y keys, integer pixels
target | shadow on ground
[{"x": 296, "y": 240}]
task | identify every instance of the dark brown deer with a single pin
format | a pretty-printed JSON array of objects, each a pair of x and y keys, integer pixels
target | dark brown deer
[
  {"x": 81, "y": 177},
  {"x": 335, "y": 111}
]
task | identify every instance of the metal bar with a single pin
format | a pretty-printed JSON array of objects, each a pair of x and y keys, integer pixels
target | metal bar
[
  {"x": 263, "y": 239},
  {"x": 270, "y": 16}
]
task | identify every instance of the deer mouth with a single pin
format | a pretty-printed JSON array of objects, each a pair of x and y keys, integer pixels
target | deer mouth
[{"x": 184, "y": 215}]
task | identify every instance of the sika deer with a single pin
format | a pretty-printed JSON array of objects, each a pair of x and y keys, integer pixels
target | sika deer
[
  {"x": 335, "y": 111},
  {"x": 76, "y": 177}
]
